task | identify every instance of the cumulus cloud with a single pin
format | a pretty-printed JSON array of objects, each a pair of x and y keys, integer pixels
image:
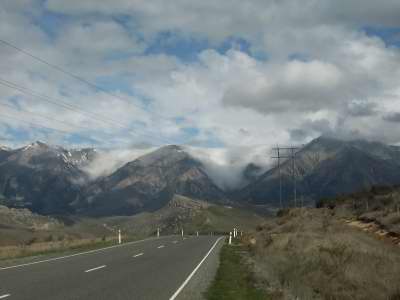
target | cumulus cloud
[
  {"x": 392, "y": 117},
  {"x": 295, "y": 86},
  {"x": 362, "y": 108},
  {"x": 309, "y": 68}
]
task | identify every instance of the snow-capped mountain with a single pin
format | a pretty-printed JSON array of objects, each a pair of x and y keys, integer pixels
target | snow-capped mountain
[{"x": 43, "y": 178}]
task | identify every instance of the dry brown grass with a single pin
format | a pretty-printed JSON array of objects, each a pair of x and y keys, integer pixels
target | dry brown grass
[
  {"x": 310, "y": 254},
  {"x": 11, "y": 252}
]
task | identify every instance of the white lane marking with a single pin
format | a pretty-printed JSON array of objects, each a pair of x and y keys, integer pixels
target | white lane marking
[
  {"x": 194, "y": 271},
  {"x": 94, "y": 269},
  {"x": 184, "y": 238},
  {"x": 4, "y": 296},
  {"x": 174, "y": 242},
  {"x": 161, "y": 246},
  {"x": 76, "y": 254},
  {"x": 137, "y": 255}
]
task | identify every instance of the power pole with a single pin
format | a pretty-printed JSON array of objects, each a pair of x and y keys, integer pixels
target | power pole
[
  {"x": 280, "y": 179},
  {"x": 277, "y": 149},
  {"x": 290, "y": 154},
  {"x": 293, "y": 154}
]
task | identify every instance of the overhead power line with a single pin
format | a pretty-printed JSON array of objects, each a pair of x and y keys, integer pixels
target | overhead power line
[
  {"x": 44, "y": 117},
  {"x": 34, "y": 125},
  {"x": 70, "y": 106},
  {"x": 64, "y": 105},
  {"x": 76, "y": 77},
  {"x": 58, "y": 102}
]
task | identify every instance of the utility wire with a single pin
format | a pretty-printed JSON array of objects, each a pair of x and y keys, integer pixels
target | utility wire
[
  {"x": 34, "y": 125},
  {"x": 76, "y": 77},
  {"x": 70, "y": 107},
  {"x": 44, "y": 116},
  {"x": 57, "y": 102}
]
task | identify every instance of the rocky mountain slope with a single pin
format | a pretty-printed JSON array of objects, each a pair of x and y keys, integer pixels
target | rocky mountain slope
[
  {"x": 42, "y": 178},
  {"x": 327, "y": 167},
  {"x": 149, "y": 182},
  {"x": 51, "y": 180}
]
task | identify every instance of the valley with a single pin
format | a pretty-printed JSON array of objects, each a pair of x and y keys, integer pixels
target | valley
[
  {"x": 51, "y": 205},
  {"x": 47, "y": 193}
]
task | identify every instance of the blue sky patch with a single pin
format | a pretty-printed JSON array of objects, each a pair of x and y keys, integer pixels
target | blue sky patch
[
  {"x": 390, "y": 35},
  {"x": 174, "y": 44}
]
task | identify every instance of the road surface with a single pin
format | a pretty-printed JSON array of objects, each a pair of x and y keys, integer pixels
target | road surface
[{"x": 156, "y": 268}]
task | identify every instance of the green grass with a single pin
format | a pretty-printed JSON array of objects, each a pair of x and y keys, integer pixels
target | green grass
[{"x": 234, "y": 279}]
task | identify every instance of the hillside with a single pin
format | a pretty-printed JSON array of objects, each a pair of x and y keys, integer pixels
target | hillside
[
  {"x": 24, "y": 233},
  {"x": 149, "y": 183},
  {"x": 314, "y": 254},
  {"x": 190, "y": 214},
  {"x": 21, "y": 226},
  {"x": 378, "y": 207},
  {"x": 327, "y": 167},
  {"x": 43, "y": 178}
]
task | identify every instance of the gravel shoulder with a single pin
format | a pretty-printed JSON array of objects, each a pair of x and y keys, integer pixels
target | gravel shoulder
[{"x": 202, "y": 279}]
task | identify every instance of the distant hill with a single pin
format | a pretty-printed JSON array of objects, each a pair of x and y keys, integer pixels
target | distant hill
[
  {"x": 149, "y": 183},
  {"x": 327, "y": 167}
]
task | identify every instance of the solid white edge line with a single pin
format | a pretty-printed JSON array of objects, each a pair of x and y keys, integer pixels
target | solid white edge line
[
  {"x": 76, "y": 254},
  {"x": 94, "y": 269},
  {"x": 139, "y": 254},
  {"x": 195, "y": 270},
  {"x": 4, "y": 296}
]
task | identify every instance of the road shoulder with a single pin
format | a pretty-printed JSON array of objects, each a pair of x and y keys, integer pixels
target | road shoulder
[{"x": 202, "y": 279}]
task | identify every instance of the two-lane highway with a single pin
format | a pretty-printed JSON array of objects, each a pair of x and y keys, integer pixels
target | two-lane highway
[{"x": 156, "y": 268}]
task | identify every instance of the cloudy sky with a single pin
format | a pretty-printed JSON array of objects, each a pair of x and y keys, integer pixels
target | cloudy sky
[{"x": 212, "y": 74}]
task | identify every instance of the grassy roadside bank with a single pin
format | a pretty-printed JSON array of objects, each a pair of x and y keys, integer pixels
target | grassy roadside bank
[
  {"x": 11, "y": 253},
  {"x": 234, "y": 279},
  {"x": 310, "y": 253}
]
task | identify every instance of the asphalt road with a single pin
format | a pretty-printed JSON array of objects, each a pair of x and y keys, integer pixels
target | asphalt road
[{"x": 149, "y": 269}]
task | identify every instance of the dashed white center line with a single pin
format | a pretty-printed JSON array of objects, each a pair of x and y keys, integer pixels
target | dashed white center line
[
  {"x": 94, "y": 269},
  {"x": 174, "y": 242},
  {"x": 4, "y": 296},
  {"x": 161, "y": 246},
  {"x": 139, "y": 254}
]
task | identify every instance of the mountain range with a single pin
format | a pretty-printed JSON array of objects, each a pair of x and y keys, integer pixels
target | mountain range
[
  {"x": 150, "y": 182},
  {"x": 51, "y": 180},
  {"x": 326, "y": 167}
]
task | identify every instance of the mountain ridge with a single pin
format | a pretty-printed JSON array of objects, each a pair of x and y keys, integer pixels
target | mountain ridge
[
  {"x": 52, "y": 180},
  {"x": 327, "y": 160}
]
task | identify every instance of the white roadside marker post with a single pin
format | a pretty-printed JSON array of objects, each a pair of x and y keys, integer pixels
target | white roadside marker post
[
  {"x": 182, "y": 232},
  {"x": 119, "y": 236},
  {"x": 197, "y": 233},
  {"x": 230, "y": 238},
  {"x": 158, "y": 232}
]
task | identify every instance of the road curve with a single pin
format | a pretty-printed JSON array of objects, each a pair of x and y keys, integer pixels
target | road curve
[{"x": 149, "y": 269}]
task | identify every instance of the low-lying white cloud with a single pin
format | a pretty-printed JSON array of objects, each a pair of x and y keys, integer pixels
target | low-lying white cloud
[
  {"x": 108, "y": 161},
  {"x": 226, "y": 166}
]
